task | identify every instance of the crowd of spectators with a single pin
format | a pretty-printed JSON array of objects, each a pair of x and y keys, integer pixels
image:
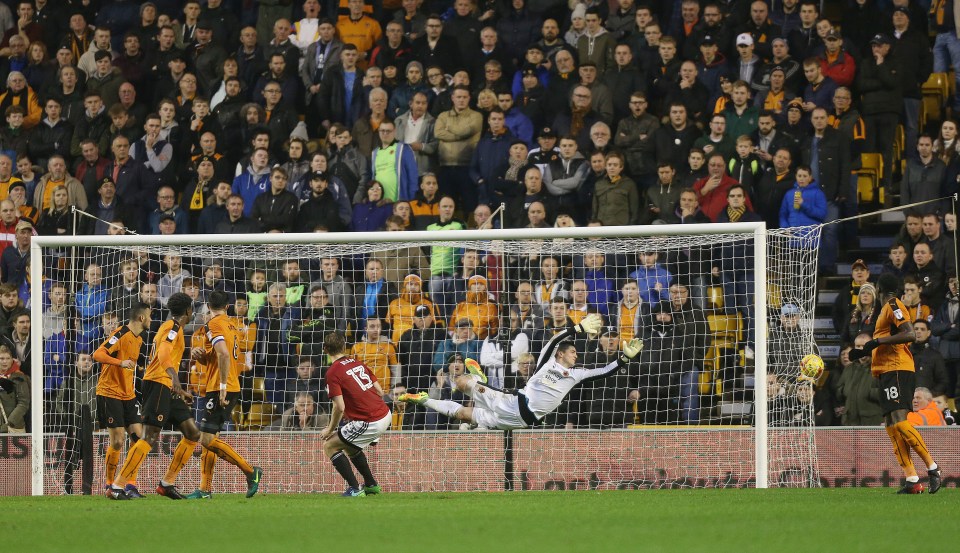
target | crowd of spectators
[{"x": 222, "y": 116}]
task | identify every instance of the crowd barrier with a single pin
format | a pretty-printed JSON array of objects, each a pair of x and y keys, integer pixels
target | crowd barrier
[{"x": 522, "y": 460}]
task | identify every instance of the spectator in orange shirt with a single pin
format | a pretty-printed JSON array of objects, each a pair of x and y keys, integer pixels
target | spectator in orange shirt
[
  {"x": 925, "y": 410},
  {"x": 359, "y": 29}
]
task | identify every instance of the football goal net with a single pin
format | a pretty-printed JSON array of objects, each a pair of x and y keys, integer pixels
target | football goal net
[{"x": 725, "y": 312}]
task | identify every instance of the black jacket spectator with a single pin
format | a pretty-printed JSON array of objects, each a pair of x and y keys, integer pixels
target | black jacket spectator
[
  {"x": 931, "y": 371},
  {"x": 672, "y": 145},
  {"x": 445, "y": 54},
  {"x": 276, "y": 211},
  {"x": 319, "y": 210},
  {"x": 46, "y": 140},
  {"x": 832, "y": 168},
  {"x": 332, "y": 88}
]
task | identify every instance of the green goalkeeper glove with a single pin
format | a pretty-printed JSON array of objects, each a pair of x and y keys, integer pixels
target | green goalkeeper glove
[
  {"x": 630, "y": 349},
  {"x": 590, "y": 325}
]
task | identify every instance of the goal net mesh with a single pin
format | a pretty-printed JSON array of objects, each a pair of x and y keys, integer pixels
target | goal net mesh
[{"x": 681, "y": 415}]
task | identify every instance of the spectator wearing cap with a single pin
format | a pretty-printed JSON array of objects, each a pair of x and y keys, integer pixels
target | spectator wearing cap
[
  {"x": 747, "y": 64},
  {"x": 761, "y": 30},
  {"x": 711, "y": 63},
  {"x": 18, "y": 195},
  {"x": 320, "y": 209},
  {"x": 206, "y": 55},
  {"x": 16, "y": 256},
  {"x": 108, "y": 207},
  {"x": 711, "y": 23},
  {"x": 531, "y": 98},
  {"x": 847, "y": 297},
  {"x": 912, "y": 47},
  {"x": 547, "y": 149},
  {"x": 880, "y": 84},
  {"x": 835, "y": 62},
  {"x": 167, "y": 207},
  {"x": 417, "y": 345},
  {"x": 535, "y": 62},
  {"x": 775, "y": 98},
  {"x": 607, "y": 404}
]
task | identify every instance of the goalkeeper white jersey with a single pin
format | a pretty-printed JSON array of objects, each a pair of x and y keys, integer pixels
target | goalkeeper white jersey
[{"x": 552, "y": 382}]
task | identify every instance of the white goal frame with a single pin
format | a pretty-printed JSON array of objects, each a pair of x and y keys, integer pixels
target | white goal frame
[{"x": 760, "y": 252}]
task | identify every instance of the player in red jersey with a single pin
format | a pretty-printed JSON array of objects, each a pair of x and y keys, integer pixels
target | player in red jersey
[{"x": 355, "y": 392}]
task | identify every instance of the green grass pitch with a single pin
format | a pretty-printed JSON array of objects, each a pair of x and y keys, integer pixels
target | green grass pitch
[{"x": 844, "y": 520}]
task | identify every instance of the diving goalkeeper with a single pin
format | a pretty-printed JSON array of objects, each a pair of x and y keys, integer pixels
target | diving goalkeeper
[{"x": 553, "y": 380}]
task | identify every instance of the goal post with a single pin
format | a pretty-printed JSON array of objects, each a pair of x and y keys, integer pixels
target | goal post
[{"x": 731, "y": 407}]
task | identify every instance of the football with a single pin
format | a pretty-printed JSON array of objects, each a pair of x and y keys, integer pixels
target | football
[{"x": 811, "y": 367}]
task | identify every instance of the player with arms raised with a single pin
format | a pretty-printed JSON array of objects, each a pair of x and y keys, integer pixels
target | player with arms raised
[
  {"x": 117, "y": 407},
  {"x": 553, "y": 380},
  {"x": 355, "y": 392},
  {"x": 222, "y": 356},
  {"x": 892, "y": 364}
]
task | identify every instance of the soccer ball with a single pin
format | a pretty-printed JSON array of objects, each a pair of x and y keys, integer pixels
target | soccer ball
[{"x": 811, "y": 367}]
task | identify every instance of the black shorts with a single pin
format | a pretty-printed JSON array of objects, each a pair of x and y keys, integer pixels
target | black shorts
[
  {"x": 118, "y": 413},
  {"x": 216, "y": 415},
  {"x": 161, "y": 407},
  {"x": 896, "y": 391}
]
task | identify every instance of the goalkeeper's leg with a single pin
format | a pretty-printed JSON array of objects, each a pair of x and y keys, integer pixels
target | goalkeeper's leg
[{"x": 446, "y": 407}]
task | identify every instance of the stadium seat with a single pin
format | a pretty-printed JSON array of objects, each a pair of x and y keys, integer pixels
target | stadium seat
[
  {"x": 869, "y": 176},
  {"x": 259, "y": 388},
  {"x": 260, "y": 415},
  {"x": 238, "y": 419},
  {"x": 774, "y": 295},
  {"x": 727, "y": 329},
  {"x": 935, "y": 93},
  {"x": 714, "y": 297}
]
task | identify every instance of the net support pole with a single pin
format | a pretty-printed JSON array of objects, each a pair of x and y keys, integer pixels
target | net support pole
[
  {"x": 36, "y": 369},
  {"x": 761, "y": 449}
]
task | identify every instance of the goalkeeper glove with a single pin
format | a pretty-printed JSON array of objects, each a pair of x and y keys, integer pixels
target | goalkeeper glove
[
  {"x": 630, "y": 349},
  {"x": 590, "y": 325},
  {"x": 856, "y": 354}
]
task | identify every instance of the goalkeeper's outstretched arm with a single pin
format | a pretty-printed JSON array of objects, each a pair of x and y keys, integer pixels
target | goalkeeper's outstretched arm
[
  {"x": 590, "y": 325},
  {"x": 630, "y": 350}
]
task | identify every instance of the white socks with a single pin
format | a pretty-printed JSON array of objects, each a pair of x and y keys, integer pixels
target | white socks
[{"x": 444, "y": 406}]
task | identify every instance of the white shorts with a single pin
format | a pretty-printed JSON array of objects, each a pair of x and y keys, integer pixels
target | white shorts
[
  {"x": 493, "y": 409},
  {"x": 360, "y": 434}
]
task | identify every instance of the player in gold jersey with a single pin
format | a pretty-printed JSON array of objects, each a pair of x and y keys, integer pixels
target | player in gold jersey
[
  {"x": 223, "y": 363},
  {"x": 117, "y": 407},
  {"x": 165, "y": 402},
  {"x": 892, "y": 364}
]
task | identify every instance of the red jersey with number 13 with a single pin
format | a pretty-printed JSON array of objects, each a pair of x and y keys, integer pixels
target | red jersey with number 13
[{"x": 350, "y": 378}]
